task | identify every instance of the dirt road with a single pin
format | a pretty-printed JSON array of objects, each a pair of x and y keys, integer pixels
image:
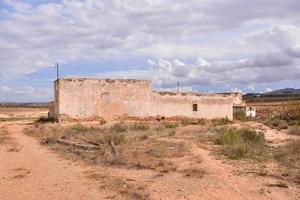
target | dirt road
[{"x": 31, "y": 172}]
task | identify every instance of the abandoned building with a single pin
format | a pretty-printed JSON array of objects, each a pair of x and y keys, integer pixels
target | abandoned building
[{"x": 83, "y": 98}]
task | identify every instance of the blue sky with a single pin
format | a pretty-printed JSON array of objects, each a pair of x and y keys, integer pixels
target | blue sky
[{"x": 206, "y": 45}]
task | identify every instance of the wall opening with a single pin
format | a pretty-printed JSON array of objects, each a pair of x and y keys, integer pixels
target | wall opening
[{"x": 195, "y": 107}]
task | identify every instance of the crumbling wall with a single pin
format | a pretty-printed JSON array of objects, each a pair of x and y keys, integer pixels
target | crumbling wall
[
  {"x": 181, "y": 104},
  {"x": 84, "y": 98},
  {"x": 112, "y": 99}
]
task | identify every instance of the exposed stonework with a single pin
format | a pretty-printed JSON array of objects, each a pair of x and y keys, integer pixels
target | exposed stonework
[{"x": 82, "y": 98}]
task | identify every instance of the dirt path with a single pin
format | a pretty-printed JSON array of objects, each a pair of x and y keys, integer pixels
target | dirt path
[
  {"x": 220, "y": 182},
  {"x": 29, "y": 171}
]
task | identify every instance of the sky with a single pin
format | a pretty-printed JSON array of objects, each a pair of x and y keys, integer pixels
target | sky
[{"x": 206, "y": 45}]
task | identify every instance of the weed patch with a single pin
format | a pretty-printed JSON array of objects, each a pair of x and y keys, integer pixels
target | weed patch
[
  {"x": 241, "y": 143},
  {"x": 50, "y": 139},
  {"x": 241, "y": 116},
  {"x": 119, "y": 127},
  {"x": 276, "y": 123},
  {"x": 140, "y": 126},
  {"x": 288, "y": 157},
  {"x": 170, "y": 125}
]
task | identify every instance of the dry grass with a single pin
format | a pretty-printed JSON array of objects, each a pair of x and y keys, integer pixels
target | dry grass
[
  {"x": 130, "y": 145},
  {"x": 140, "y": 126},
  {"x": 170, "y": 125},
  {"x": 276, "y": 123},
  {"x": 295, "y": 130},
  {"x": 152, "y": 154},
  {"x": 121, "y": 188},
  {"x": 288, "y": 157}
]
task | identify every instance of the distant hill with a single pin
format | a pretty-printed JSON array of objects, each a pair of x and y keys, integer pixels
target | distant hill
[
  {"x": 284, "y": 91},
  {"x": 27, "y": 104},
  {"x": 286, "y": 94}
]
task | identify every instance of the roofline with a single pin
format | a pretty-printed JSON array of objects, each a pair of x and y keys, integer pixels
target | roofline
[{"x": 102, "y": 79}]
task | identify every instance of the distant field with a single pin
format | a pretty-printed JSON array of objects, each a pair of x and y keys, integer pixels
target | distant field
[
  {"x": 269, "y": 108},
  {"x": 272, "y": 98},
  {"x": 22, "y": 113}
]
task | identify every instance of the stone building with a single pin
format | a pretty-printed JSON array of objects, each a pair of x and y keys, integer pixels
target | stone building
[{"x": 83, "y": 98}]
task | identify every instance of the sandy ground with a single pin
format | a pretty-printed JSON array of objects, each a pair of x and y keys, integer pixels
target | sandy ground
[
  {"x": 30, "y": 171},
  {"x": 35, "y": 173},
  {"x": 22, "y": 113}
]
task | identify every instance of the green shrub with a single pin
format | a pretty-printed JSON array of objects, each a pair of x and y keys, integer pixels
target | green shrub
[
  {"x": 295, "y": 130},
  {"x": 277, "y": 123},
  {"x": 79, "y": 128},
  {"x": 117, "y": 138},
  {"x": 119, "y": 127},
  {"x": 226, "y": 137},
  {"x": 139, "y": 126},
  {"x": 241, "y": 116},
  {"x": 251, "y": 136},
  {"x": 241, "y": 143},
  {"x": 170, "y": 125}
]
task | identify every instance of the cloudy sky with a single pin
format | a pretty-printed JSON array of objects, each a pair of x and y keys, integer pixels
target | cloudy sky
[{"x": 206, "y": 45}]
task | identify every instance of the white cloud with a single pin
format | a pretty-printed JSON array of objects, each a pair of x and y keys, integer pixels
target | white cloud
[
  {"x": 231, "y": 44},
  {"x": 236, "y": 90},
  {"x": 268, "y": 90},
  {"x": 25, "y": 93},
  {"x": 251, "y": 87},
  {"x": 18, "y": 5}
]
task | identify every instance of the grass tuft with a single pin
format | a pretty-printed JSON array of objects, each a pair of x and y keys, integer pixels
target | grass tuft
[
  {"x": 169, "y": 125},
  {"x": 241, "y": 143},
  {"x": 119, "y": 127},
  {"x": 50, "y": 139},
  {"x": 79, "y": 128},
  {"x": 140, "y": 126},
  {"x": 277, "y": 123}
]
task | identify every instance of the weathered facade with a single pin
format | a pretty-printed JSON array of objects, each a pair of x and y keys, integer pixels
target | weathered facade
[{"x": 82, "y": 98}]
